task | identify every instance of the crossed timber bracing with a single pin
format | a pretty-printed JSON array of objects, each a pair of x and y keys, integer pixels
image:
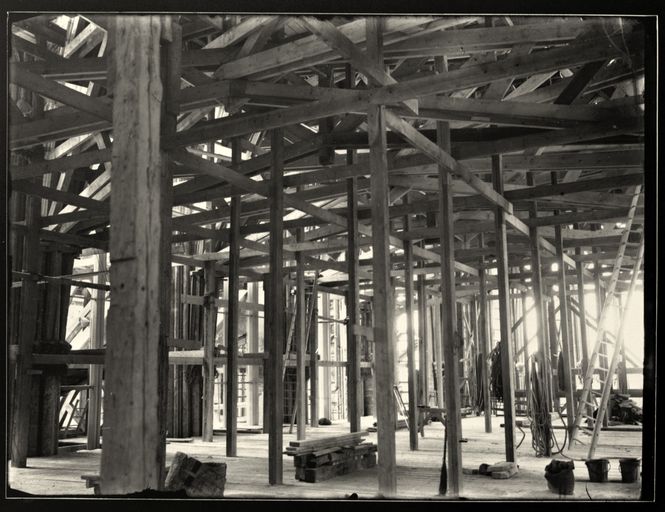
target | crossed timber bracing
[{"x": 358, "y": 152}]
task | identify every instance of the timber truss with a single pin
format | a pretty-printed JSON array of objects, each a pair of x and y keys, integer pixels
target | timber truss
[{"x": 469, "y": 152}]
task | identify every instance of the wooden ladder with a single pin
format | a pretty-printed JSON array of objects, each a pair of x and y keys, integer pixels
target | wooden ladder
[{"x": 600, "y": 358}]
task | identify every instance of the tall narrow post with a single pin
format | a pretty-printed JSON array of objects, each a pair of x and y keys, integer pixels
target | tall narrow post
[
  {"x": 267, "y": 366},
  {"x": 301, "y": 340},
  {"x": 423, "y": 365},
  {"x": 325, "y": 346},
  {"x": 276, "y": 305},
  {"x": 600, "y": 298},
  {"x": 233, "y": 316},
  {"x": 313, "y": 360},
  {"x": 564, "y": 322},
  {"x": 134, "y": 438},
  {"x": 97, "y": 329},
  {"x": 543, "y": 359},
  {"x": 451, "y": 355},
  {"x": 410, "y": 334},
  {"x": 352, "y": 297},
  {"x": 484, "y": 347},
  {"x": 253, "y": 343},
  {"x": 209, "y": 336},
  {"x": 507, "y": 363},
  {"x": 525, "y": 345},
  {"x": 383, "y": 307},
  {"x": 581, "y": 308},
  {"x": 171, "y": 74}
]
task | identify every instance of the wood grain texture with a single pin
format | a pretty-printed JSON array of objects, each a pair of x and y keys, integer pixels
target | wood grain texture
[{"x": 132, "y": 430}]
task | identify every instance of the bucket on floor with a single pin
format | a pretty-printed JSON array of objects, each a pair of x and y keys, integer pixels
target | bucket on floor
[
  {"x": 629, "y": 470},
  {"x": 560, "y": 477},
  {"x": 598, "y": 469}
]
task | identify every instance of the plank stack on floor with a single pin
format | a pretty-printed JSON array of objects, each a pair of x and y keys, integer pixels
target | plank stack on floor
[{"x": 321, "y": 459}]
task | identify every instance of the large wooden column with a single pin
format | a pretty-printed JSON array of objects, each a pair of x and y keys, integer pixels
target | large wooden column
[
  {"x": 26, "y": 336},
  {"x": 97, "y": 330},
  {"x": 564, "y": 323},
  {"x": 171, "y": 57},
  {"x": 484, "y": 347},
  {"x": 507, "y": 363},
  {"x": 134, "y": 438},
  {"x": 449, "y": 338},
  {"x": 275, "y": 390},
  {"x": 233, "y": 315},
  {"x": 382, "y": 293},
  {"x": 410, "y": 334}
]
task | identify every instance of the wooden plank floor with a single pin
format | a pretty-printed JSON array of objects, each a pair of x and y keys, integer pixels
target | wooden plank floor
[{"x": 417, "y": 472}]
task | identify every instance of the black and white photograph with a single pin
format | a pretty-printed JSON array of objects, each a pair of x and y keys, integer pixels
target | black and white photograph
[{"x": 380, "y": 256}]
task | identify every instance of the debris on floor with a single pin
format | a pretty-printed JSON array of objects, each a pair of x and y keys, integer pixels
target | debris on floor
[
  {"x": 198, "y": 479},
  {"x": 500, "y": 470}
]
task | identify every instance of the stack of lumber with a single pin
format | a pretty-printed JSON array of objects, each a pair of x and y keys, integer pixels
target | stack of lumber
[{"x": 324, "y": 458}]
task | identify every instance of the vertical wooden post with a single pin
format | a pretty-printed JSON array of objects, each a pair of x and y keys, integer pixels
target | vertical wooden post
[
  {"x": 564, "y": 317},
  {"x": 49, "y": 380},
  {"x": 600, "y": 299},
  {"x": 525, "y": 345},
  {"x": 507, "y": 362},
  {"x": 542, "y": 337},
  {"x": 253, "y": 343},
  {"x": 554, "y": 348},
  {"x": 301, "y": 339},
  {"x": 410, "y": 334},
  {"x": 134, "y": 436},
  {"x": 352, "y": 298},
  {"x": 622, "y": 376},
  {"x": 325, "y": 345},
  {"x": 382, "y": 296},
  {"x": 267, "y": 366},
  {"x": 483, "y": 339},
  {"x": 26, "y": 336},
  {"x": 97, "y": 315},
  {"x": 581, "y": 307},
  {"x": 233, "y": 317},
  {"x": 423, "y": 366},
  {"x": 171, "y": 73},
  {"x": 209, "y": 336},
  {"x": 313, "y": 361},
  {"x": 449, "y": 331},
  {"x": 276, "y": 306}
]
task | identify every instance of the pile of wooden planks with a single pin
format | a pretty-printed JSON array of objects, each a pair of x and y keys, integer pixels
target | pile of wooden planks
[{"x": 324, "y": 458}]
